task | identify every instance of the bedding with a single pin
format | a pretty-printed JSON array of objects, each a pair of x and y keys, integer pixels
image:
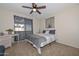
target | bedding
[
  {"x": 35, "y": 39},
  {"x": 41, "y": 39},
  {"x": 49, "y": 38}
]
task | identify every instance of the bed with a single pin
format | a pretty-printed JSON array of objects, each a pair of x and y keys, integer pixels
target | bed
[{"x": 41, "y": 39}]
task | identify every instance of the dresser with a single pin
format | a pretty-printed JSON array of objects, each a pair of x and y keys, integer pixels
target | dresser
[{"x": 6, "y": 41}]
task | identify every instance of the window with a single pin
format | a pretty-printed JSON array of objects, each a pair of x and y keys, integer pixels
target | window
[
  {"x": 19, "y": 27},
  {"x": 22, "y": 26}
]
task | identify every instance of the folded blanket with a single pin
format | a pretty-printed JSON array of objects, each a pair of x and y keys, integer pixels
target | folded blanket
[{"x": 36, "y": 39}]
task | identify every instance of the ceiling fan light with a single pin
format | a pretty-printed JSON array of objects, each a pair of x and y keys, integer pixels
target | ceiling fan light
[{"x": 34, "y": 9}]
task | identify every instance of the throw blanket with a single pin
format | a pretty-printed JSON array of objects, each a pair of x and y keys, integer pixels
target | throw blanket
[{"x": 36, "y": 39}]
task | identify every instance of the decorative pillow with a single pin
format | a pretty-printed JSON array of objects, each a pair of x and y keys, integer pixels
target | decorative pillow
[
  {"x": 52, "y": 32},
  {"x": 44, "y": 31},
  {"x": 47, "y": 32}
]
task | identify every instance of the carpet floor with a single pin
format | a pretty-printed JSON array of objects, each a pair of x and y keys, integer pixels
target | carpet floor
[{"x": 24, "y": 48}]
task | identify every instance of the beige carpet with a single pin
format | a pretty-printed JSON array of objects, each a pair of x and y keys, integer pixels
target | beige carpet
[{"x": 53, "y": 49}]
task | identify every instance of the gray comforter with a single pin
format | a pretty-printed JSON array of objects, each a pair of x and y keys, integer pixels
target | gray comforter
[{"x": 35, "y": 39}]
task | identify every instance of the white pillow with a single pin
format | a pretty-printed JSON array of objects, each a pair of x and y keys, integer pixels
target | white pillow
[{"x": 47, "y": 32}]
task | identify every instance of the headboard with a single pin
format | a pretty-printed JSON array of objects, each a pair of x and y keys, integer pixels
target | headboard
[{"x": 49, "y": 30}]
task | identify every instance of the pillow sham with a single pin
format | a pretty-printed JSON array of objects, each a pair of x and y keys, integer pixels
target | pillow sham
[{"x": 52, "y": 32}]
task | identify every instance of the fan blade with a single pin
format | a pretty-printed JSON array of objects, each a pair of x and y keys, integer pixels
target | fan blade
[
  {"x": 41, "y": 7},
  {"x": 31, "y": 12},
  {"x": 38, "y": 11},
  {"x": 27, "y": 7}
]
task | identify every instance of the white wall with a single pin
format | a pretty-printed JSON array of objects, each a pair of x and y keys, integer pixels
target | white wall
[
  {"x": 36, "y": 25},
  {"x": 41, "y": 25},
  {"x": 7, "y": 20},
  {"x": 67, "y": 26}
]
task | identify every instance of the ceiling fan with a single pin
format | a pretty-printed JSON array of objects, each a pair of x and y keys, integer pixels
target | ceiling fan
[{"x": 35, "y": 8}]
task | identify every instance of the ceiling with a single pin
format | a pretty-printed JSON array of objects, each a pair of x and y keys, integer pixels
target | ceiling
[{"x": 51, "y": 8}]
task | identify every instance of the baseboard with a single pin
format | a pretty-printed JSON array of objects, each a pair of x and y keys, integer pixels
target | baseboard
[{"x": 67, "y": 44}]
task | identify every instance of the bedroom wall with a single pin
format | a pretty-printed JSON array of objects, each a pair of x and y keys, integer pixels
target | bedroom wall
[
  {"x": 7, "y": 20},
  {"x": 41, "y": 25},
  {"x": 67, "y": 26}
]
